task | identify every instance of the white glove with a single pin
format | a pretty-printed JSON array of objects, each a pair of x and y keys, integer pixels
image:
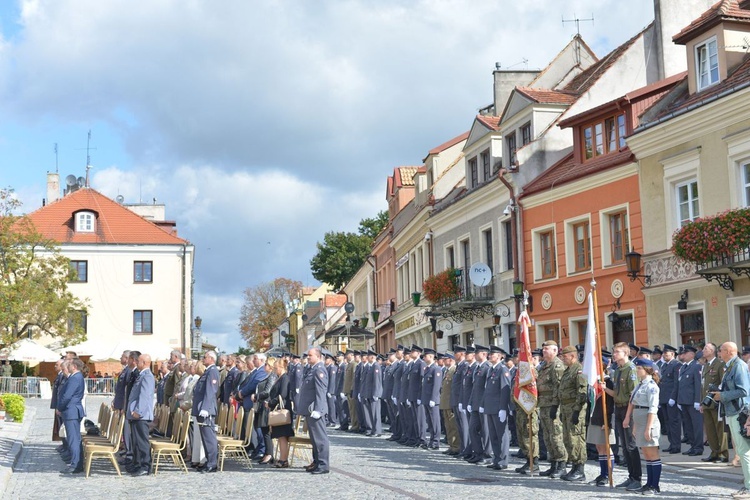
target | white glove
[
  {"x": 502, "y": 415},
  {"x": 671, "y": 402},
  {"x": 328, "y": 394},
  {"x": 462, "y": 411},
  {"x": 697, "y": 406},
  {"x": 481, "y": 410},
  {"x": 395, "y": 401},
  {"x": 376, "y": 399},
  {"x": 460, "y": 407},
  {"x": 315, "y": 415},
  {"x": 203, "y": 414},
  {"x": 408, "y": 403},
  {"x": 296, "y": 390},
  {"x": 679, "y": 407},
  {"x": 343, "y": 396},
  {"x": 419, "y": 402},
  {"x": 432, "y": 404},
  {"x": 468, "y": 408},
  {"x": 359, "y": 398}
]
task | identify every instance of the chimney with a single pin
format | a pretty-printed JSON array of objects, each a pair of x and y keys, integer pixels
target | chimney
[
  {"x": 670, "y": 17},
  {"x": 53, "y": 187}
]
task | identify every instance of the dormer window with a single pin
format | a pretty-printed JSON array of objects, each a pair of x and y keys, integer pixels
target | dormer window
[
  {"x": 707, "y": 63},
  {"x": 85, "y": 222},
  {"x": 603, "y": 137}
]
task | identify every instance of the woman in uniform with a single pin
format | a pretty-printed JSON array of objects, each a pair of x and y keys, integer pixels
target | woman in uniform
[
  {"x": 595, "y": 434},
  {"x": 644, "y": 403}
]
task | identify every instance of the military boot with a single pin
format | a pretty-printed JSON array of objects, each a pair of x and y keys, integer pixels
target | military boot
[
  {"x": 552, "y": 468},
  {"x": 559, "y": 471},
  {"x": 526, "y": 468},
  {"x": 576, "y": 474}
]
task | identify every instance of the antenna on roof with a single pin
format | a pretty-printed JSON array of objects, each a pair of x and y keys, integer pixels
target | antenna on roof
[
  {"x": 88, "y": 156},
  {"x": 56, "y": 170},
  {"x": 578, "y": 32}
]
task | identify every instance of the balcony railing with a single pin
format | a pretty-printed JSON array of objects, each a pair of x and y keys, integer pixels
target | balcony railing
[
  {"x": 471, "y": 302},
  {"x": 719, "y": 268}
]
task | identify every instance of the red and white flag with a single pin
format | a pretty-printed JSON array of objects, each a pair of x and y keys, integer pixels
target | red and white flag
[
  {"x": 592, "y": 354},
  {"x": 524, "y": 391}
]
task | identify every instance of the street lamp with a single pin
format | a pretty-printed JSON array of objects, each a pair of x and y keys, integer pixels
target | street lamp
[
  {"x": 633, "y": 264},
  {"x": 518, "y": 289},
  {"x": 375, "y": 315}
]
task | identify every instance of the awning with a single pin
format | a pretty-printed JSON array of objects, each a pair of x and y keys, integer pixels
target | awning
[
  {"x": 354, "y": 332},
  {"x": 30, "y": 352}
]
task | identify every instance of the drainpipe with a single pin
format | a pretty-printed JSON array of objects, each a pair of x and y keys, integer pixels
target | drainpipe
[{"x": 513, "y": 229}]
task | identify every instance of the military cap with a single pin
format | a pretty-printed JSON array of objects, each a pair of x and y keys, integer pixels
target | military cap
[
  {"x": 633, "y": 347},
  {"x": 392, "y": 351},
  {"x": 580, "y": 347},
  {"x": 536, "y": 352},
  {"x": 415, "y": 347},
  {"x": 399, "y": 347},
  {"x": 459, "y": 348},
  {"x": 407, "y": 350},
  {"x": 494, "y": 348},
  {"x": 448, "y": 355},
  {"x": 329, "y": 354},
  {"x": 470, "y": 349},
  {"x": 481, "y": 348},
  {"x": 548, "y": 343},
  {"x": 427, "y": 350},
  {"x": 746, "y": 349},
  {"x": 340, "y": 353},
  {"x": 569, "y": 349},
  {"x": 606, "y": 353},
  {"x": 698, "y": 355},
  {"x": 381, "y": 357},
  {"x": 370, "y": 352},
  {"x": 690, "y": 348},
  {"x": 644, "y": 362},
  {"x": 516, "y": 352},
  {"x": 657, "y": 350},
  {"x": 439, "y": 355},
  {"x": 295, "y": 356},
  {"x": 668, "y": 347},
  {"x": 645, "y": 350}
]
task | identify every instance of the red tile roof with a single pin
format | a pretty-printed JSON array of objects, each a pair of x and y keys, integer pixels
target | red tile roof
[
  {"x": 724, "y": 10},
  {"x": 405, "y": 176},
  {"x": 115, "y": 224},
  {"x": 491, "y": 122},
  {"x": 334, "y": 300},
  {"x": 545, "y": 96},
  {"x": 448, "y": 144},
  {"x": 567, "y": 170}
]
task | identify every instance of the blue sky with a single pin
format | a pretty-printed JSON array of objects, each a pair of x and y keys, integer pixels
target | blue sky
[{"x": 260, "y": 122}]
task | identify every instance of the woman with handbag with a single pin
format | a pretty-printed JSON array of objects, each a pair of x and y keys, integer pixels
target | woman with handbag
[
  {"x": 262, "y": 394},
  {"x": 279, "y": 400}
]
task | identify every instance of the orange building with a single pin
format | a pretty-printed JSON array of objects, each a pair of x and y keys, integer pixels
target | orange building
[{"x": 579, "y": 219}]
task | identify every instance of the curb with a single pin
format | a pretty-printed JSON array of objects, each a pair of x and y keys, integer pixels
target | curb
[{"x": 15, "y": 451}]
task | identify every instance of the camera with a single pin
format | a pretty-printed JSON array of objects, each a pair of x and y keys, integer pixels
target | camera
[{"x": 708, "y": 401}]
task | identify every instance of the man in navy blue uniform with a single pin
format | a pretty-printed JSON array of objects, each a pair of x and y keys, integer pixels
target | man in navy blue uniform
[
  {"x": 669, "y": 370},
  {"x": 478, "y": 430},
  {"x": 419, "y": 419},
  {"x": 687, "y": 395},
  {"x": 332, "y": 370},
  {"x": 431, "y": 384},
  {"x": 204, "y": 410},
  {"x": 313, "y": 406},
  {"x": 375, "y": 394},
  {"x": 497, "y": 407},
  {"x": 139, "y": 414},
  {"x": 70, "y": 408}
]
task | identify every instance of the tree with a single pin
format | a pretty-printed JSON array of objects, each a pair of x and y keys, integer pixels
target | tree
[
  {"x": 342, "y": 253},
  {"x": 264, "y": 310},
  {"x": 34, "y": 275}
]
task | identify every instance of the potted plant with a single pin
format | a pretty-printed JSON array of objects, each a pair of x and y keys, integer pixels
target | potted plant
[
  {"x": 442, "y": 286},
  {"x": 714, "y": 238}
]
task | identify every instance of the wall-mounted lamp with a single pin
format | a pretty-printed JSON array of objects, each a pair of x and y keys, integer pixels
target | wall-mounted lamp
[
  {"x": 613, "y": 317},
  {"x": 633, "y": 263},
  {"x": 375, "y": 315},
  {"x": 682, "y": 303}
]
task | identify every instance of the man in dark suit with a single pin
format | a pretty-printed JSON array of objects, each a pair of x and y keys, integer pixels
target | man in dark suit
[
  {"x": 407, "y": 423},
  {"x": 132, "y": 375},
  {"x": 53, "y": 404},
  {"x": 365, "y": 391},
  {"x": 467, "y": 383},
  {"x": 497, "y": 407},
  {"x": 459, "y": 352},
  {"x": 397, "y": 367},
  {"x": 375, "y": 394},
  {"x": 687, "y": 395},
  {"x": 139, "y": 415},
  {"x": 419, "y": 419},
  {"x": 331, "y": 369},
  {"x": 342, "y": 407},
  {"x": 357, "y": 391},
  {"x": 431, "y": 384},
  {"x": 478, "y": 420},
  {"x": 668, "y": 406},
  {"x": 70, "y": 408},
  {"x": 230, "y": 381},
  {"x": 204, "y": 410},
  {"x": 313, "y": 406},
  {"x": 246, "y": 394},
  {"x": 388, "y": 381}
]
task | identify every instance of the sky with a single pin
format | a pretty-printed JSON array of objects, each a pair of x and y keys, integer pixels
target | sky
[{"x": 261, "y": 125}]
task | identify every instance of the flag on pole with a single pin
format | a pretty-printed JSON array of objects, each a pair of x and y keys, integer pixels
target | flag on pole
[
  {"x": 525, "y": 392},
  {"x": 592, "y": 354}
]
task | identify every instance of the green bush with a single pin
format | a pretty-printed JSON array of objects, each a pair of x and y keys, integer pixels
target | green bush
[{"x": 14, "y": 406}]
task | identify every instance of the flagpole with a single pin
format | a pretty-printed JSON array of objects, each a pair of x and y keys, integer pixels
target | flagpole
[
  {"x": 604, "y": 391},
  {"x": 530, "y": 415}
]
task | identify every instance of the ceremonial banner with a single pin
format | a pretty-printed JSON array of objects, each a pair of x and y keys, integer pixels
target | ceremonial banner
[
  {"x": 524, "y": 391},
  {"x": 592, "y": 354}
]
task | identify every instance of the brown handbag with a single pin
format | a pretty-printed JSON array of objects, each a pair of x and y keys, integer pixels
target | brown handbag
[{"x": 280, "y": 415}]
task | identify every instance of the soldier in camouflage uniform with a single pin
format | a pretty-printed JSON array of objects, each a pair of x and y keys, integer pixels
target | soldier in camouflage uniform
[
  {"x": 548, "y": 387},
  {"x": 573, "y": 398},
  {"x": 522, "y": 432}
]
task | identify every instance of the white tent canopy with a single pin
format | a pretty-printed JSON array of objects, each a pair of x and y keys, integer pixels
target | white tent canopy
[
  {"x": 29, "y": 352},
  {"x": 103, "y": 351}
]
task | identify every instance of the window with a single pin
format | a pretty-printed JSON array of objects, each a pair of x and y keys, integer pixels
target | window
[
  {"x": 746, "y": 182},
  {"x": 547, "y": 254},
  {"x": 687, "y": 202},
  {"x": 77, "y": 322},
  {"x": 508, "y": 237},
  {"x": 473, "y": 174},
  {"x": 618, "y": 233},
  {"x": 603, "y": 137},
  {"x": 486, "y": 171},
  {"x": 707, "y": 64},
  {"x": 526, "y": 134},
  {"x": 84, "y": 222},
  {"x": 745, "y": 325},
  {"x": 512, "y": 342},
  {"x": 581, "y": 246},
  {"x": 79, "y": 271},
  {"x": 142, "y": 272},
  {"x": 551, "y": 332},
  {"x": 511, "y": 143},
  {"x": 469, "y": 338},
  {"x": 691, "y": 327},
  {"x": 450, "y": 257},
  {"x": 466, "y": 254},
  {"x": 487, "y": 236},
  {"x": 143, "y": 322}
]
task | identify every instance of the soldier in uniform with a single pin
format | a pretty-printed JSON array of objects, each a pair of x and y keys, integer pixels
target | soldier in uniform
[
  {"x": 496, "y": 404},
  {"x": 667, "y": 383},
  {"x": 455, "y": 396},
  {"x": 388, "y": 389},
  {"x": 331, "y": 369},
  {"x": 357, "y": 390},
  {"x": 478, "y": 430},
  {"x": 548, "y": 386},
  {"x": 169, "y": 390},
  {"x": 204, "y": 410},
  {"x": 407, "y": 425},
  {"x": 467, "y": 384},
  {"x": 713, "y": 371},
  {"x": 431, "y": 384},
  {"x": 419, "y": 418},
  {"x": 624, "y": 380},
  {"x": 397, "y": 366},
  {"x": 449, "y": 418},
  {"x": 529, "y": 445},
  {"x": 313, "y": 406},
  {"x": 573, "y": 397},
  {"x": 342, "y": 407},
  {"x": 374, "y": 394},
  {"x": 351, "y": 366},
  {"x": 687, "y": 395}
]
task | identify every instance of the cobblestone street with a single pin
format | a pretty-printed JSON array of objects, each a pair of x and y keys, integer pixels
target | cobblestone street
[{"x": 361, "y": 468}]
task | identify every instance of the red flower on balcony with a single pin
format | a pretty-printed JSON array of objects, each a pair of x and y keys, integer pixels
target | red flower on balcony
[
  {"x": 713, "y": 238},
  {"x": 442, "y": 286}
]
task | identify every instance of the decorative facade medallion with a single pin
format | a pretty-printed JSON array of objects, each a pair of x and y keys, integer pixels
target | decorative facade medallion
[
  {"x": 580, "y": 295},
  {"x": 617, "y": 289},
  {"x": 546, "y": 301}
]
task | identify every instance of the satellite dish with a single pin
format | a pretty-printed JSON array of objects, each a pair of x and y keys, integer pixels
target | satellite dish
[
  {"x": 120, "y": 199},
  {"x": 283, "y": 333},
  {"x": 304, "y": 317},
  {"x": 349, "y": 307},
  {"x": 71, "y": 180},
  {"x": 81, "y": 181},
  {"x": 480, "y": 274}
]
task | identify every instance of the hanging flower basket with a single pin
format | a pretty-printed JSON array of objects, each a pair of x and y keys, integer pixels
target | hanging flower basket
[
  {"x": 442, "y": 286},
  {"x": 713, "y": 238}
]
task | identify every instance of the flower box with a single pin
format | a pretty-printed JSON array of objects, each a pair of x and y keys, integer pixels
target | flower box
[
  {"x": 714, "y": 238},
  {"x": 442, "y": 287}
]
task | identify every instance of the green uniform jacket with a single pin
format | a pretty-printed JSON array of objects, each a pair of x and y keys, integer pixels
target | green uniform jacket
[
  {"x": 625, "y": 381},
  {"x": 712, "y": 374},
  {"x": 548, "y": 383},
  {"x": 574, "y": 387}
]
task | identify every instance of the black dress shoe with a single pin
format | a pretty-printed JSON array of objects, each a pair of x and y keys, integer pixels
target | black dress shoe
[
  {"x": 435, "y": 447},
  {"x": 320, "y": 471},
  {"x": 201, "y": 468},
  {"x": 724, "y": 460},
  {"x": 695, "y": 453},
  {"x": 685, "y": 440},
  {"x": 710, "y": 458},
  {"x": 140, "y": 472},
  {"x": 71, "y": 470},
  {"x": 209, "y": 471},
  {"x": 673, "y": 452}
]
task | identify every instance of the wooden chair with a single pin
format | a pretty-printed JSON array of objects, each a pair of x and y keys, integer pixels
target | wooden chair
[
  {"x": 301, "y": 439},
  {"x": 108, "y": 428},
  {"x": 93, "y": 450},
  {"x": 174, "y": 448},
  {"x": 234, "y": 447}
]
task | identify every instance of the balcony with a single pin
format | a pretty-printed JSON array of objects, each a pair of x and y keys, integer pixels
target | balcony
[
  {"x": 459, "y": 299},
  {"x": 719, "y": 268}
]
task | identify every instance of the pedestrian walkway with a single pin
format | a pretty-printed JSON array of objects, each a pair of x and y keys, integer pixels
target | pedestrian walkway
[{"x": 362, "y": 468}]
